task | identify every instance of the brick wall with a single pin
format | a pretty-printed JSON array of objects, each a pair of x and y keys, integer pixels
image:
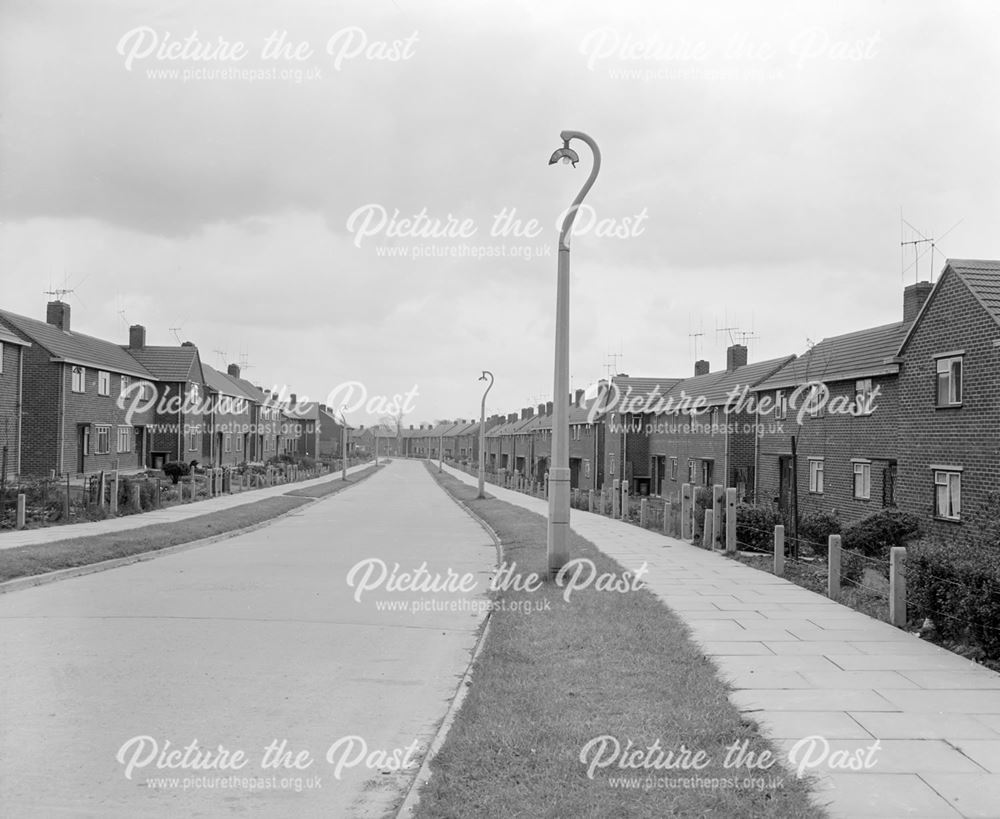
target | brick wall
[
  {"x": 10, "y": 404},
  {"x": 967, "y": 436}
]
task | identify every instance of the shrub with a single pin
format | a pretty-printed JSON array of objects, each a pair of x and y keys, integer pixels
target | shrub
[
  {"x": 702, "y": 501},
  {"x": 307, "y": 463},
  {"x": 175, "y": 470},
  {"x": 876, "y": 534},
  {"x": 815, "y": 530},
  {"x": 957, "y": 585},
  {"x": 755, "y": 527}
]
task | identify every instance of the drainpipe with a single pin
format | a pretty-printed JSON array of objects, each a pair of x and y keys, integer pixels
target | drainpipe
[
  {"x": 62, "y": 409},
  {"x": 20, "y": 405}
]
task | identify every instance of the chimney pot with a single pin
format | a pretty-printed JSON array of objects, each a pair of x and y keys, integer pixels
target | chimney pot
[
  {"x": 548, "y": 408},
  {"x": 736, "y": 356},
  {"x": 136, "y": 337},
  {"x": 57, "y": 314},
  {"x": 578, "y": 399},
  {"x": 914, "y": 297},
  {"x": 701, "y": 367}
]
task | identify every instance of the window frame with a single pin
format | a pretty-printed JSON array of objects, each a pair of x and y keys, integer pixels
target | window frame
[
  {"x": 863, "y": 397},
  {"x": 817, "y": 475},
  {"x": 103, "y": 382},
  {"x": 81, "y": 371},
  {"x": 673, "y": 468},
  {"x": 128, "y": 431},
  {"x": 951, "y": 476},
  {"x": 780, "y": 405},
  {"x": 866, "y": 479},
  {"x": 102, "y": 430},
  {"x": 949, "y": 359}
]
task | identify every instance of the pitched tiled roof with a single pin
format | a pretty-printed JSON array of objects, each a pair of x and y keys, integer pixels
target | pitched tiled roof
[
  {"x": 720, "y": 390},
  {"x": 861, "y": 354},
  {"x": 221, "y": 383},
  {"x": 983, "y": 278},
  {"x": 171, "y": 363},
  {"x": 10, "y": 338},
  {"x": 76, "y": 348}
]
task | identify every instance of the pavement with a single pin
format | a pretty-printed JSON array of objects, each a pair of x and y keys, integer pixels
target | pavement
[
  {"x": 803, "y": 666},
  {"x": 245, "y": 643},
  {"x": 12, "y": 538}
]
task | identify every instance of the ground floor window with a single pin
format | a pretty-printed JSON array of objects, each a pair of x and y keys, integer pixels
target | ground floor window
[
  {"x": 816, "y": 475},
  {"x": 192, "y": 440},
  {"x": 948, "y": 494},
  {"x": 862, "y": 480},
  {"x": 103, "y": 443},
  {"x": 124, "y": 439}
]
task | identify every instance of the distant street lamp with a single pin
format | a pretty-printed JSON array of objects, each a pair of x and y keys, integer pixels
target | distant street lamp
[
  {"x": 343, "y": 444},
  {"x": 559, "y": 474},
  {"x": 482, "y": 434}
]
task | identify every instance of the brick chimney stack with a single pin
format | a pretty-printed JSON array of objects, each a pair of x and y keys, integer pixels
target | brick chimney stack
[
  {"x": 914, "y": 297},
  {"x": 234, "y": 371},
  {"x": 136, "y": 337},
  {"x": 578, "y": 399},
  {"x": 701, "y": 367},
  {"x": 57, "y": 314},
  {"x": 736, "y": 356}
]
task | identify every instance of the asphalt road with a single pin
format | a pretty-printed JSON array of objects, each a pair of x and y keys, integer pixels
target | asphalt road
[{"x": 244, "y": 644}]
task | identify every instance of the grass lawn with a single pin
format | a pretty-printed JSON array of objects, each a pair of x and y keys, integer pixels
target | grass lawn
[
  {"x": 616, "y": 664},
  {"x": 26, "y": 561}
]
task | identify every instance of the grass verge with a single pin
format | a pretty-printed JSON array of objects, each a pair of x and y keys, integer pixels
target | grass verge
[
  {"x": 556, "y": 674},
  {"x": 28, "y": 561}
]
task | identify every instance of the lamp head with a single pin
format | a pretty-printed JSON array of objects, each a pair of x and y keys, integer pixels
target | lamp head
[{"x": 565, "y": 154}]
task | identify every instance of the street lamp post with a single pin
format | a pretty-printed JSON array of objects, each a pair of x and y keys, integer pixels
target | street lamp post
[
  {"x": 343, "y": 444},
  {"x": 482, "y": 434},
  {"x": 440, "y": 450},
  {"x": 559, "y": 474}
]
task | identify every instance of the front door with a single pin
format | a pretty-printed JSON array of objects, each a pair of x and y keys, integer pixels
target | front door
[
  {"x": 83, "y": 446},
  {"x": 574, "y": 473},
  {"x": 140, "y": 447}
]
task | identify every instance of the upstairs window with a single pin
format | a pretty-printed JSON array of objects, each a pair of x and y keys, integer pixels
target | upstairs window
[
  {"x": 949, "y": 381},
  {"x": 103, "y": 383},
  {"x": 816, "y": 475},
  {"x": 126, "y": 383},
  {"x": 863, "y": 397},
  {"x": 780, "y": 405},
  {"x": 78, "y": 381}
]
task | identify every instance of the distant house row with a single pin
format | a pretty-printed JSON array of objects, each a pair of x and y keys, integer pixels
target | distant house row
[
  {"x": 73, "y": 403},
  {"x": 904, "y": 415}
]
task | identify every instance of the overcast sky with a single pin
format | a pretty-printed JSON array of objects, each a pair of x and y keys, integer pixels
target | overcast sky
[{"x": 757, "y": 158}]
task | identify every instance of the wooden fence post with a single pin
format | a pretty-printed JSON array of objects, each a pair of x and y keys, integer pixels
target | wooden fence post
[
  {"x": 590, "y": 500},
  {"x": 616, "y": 498},
  {"x": 19, "y": 521},
  {"x": 668, "y": 504},
  {"x": 643, "y": 512},
  {"x": 833, "y": 564},
  {"x": 708, "y": 530},
  {"x": 114, "y": 494},
  {"x": 779, "y": 550},
  {"x": 686, "y": 527},
  {"x": 731, "y": 521},
  {"x": 136, "y": 498},
  {"x": 624, "y": 503},
  {"x": 897, "y": 585},
  {"x": 100, "y": 490},
  {"x": 718, "y": 504}
]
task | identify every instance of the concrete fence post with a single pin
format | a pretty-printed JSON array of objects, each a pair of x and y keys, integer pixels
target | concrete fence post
[
  {"x": 136, "y": 498},
  {"x": 624, "y": 503},
  {"x": 101, "y": 483},
  {"x": 156, "y": 497},
  {"x": 897, "y": 585},
  {"x": 643, "y": 512},
  {"x": 590, "y": 500},
  {"x": 667, "y": 506},
  {"x": 731, "y": 521},
  {"x": 19, "y": 523},
  {"x": 718, "y": 506},
  {"x": 114, "y": 494},
  {"x": 192, "y": 486},
  {"x": 833, "y": 564},
  {"x": 708, "y": 530},
  {"x": 686, "y": 512},
  {"x": 616, "y": 498},
  {"x": 779, "y": 550}
]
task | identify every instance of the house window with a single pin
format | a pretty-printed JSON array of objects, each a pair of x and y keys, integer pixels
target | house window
[
  {"x": 227, "y": 442},
  {"x": 577, "y": 428},
  {"x": 193, "y": 394},
  {"x": 192, "y": 440},
  {"x": 124, "y": 439},
  {"x": 103, "y": 445},
  {"x": 780, "y": 405},
  {"x": 863, "y": 397},
  {"x": 690, "y": 470},
  {"x": 238, "y": 443},
  {"x": 103, "y": 383},
  {"x": 816, "y": 475},
  {"x": 1, "y": 356},
  {"x": 948, "y": 495},
  {"x": 862, "y": 480},
  {"x": 78, "y": 380},
  {"x": 713, "y": 418},
  {"x": 126, "y": 383},
  {"x": 949, "y": 381},
  {"x": 146, "y": 391},
  {"x": 815, "y": 399},
  {"x": 673, "y": 469}
]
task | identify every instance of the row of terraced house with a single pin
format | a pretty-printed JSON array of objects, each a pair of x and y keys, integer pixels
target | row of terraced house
[
  {"x": 904, "y": 415},
  {"x": 73, "y": 403}
]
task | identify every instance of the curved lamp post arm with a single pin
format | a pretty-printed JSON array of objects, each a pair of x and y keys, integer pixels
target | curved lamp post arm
[
  {"x": 567, "y": 153},
  {"x": 482, "y": 434}
]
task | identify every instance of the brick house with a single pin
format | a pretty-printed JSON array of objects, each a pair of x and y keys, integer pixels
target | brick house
[
  {"x": 229, "y": 420},
  {"x": 843, "y": 461},
  {"x": 301, "y": 428},
  {"x": 331, "y": 440},
  {"x": 714, "y": 445},
  {"x": 180, "y": 419},
  {"x": 12, "y": 349},
  {"x": 75, "y": 418},
  {"x": 949, "y": 401}
]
